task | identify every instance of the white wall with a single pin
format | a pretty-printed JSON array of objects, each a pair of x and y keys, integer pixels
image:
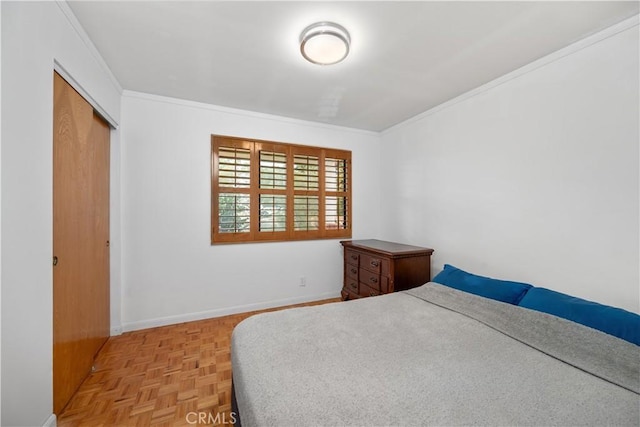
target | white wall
[
  {"x": 0, "y": 209},
  {"x": 533, "y": 178},
  {"x": 171, "y": 272},
  {"x": 34, "y": 35}
]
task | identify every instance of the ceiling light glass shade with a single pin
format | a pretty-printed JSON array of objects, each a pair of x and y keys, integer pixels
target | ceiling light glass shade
[{"x": 324, "y": 43}]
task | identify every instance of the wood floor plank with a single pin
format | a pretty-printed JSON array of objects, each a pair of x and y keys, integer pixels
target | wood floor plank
[{"x": 156, "y": 377}]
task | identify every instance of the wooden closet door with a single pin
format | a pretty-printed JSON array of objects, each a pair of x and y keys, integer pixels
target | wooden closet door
[{"x": 80, "y": 239}]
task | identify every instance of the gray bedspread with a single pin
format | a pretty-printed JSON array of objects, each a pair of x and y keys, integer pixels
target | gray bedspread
[{"x": 430, "y": 356}]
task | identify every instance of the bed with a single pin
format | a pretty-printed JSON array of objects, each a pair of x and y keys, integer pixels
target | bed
[{"x": 432, "y": 355}]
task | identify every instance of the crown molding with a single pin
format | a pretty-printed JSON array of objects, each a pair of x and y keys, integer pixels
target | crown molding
[
  {"x": 532, "y": 66},
  {"x": 245, "y": 113},
  {"x": 71, "y": 17}
]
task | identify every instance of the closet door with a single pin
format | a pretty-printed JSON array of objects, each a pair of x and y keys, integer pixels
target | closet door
[{"x": 80, "y": 239}]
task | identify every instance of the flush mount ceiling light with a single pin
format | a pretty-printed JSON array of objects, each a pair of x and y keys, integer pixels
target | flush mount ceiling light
[{"x": 324, "y": 43}]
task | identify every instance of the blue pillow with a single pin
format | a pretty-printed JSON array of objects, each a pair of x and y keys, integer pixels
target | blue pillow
[
  {"x": 501, "y": 290},
  {"x": 613, "y": 321}
]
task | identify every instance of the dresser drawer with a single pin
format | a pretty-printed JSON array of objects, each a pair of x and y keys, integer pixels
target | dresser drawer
[
  {"x": 374, "y": 280},
  {"x": 366, "y": 291},
  {"x": 351, "y": 285},
  {"x": 351, "y": 272},
  {"x": 352, "y": 257},
  {"x": 375, "y": 264}
]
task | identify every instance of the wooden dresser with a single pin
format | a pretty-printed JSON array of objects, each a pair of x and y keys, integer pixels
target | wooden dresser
[{"x": 375, "y": 267}]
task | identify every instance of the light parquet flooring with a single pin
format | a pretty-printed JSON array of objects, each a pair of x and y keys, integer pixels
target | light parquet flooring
[{"x": 165, "y": 376}]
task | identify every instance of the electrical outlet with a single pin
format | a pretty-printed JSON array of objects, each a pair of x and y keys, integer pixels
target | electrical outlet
[{"x": 303, "y": 281}]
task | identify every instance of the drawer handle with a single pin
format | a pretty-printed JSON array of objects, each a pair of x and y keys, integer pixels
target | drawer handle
[
  {"x": 373, "y": 279},
  {"x": 374, "y": 263},
  {"x": 353, "y": 285},
  {"x": 354, "y": 257},
  {"x": 354, "y": 271},
  {"x": 373, "y": 294}
]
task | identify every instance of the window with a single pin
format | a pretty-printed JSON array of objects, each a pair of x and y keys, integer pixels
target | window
[{"x": 271, "y": 191}]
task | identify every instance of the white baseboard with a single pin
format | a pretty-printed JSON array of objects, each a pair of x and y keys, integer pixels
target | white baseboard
[
  {"x": 189, "y": 317},
  {"x": 115, "y": 331},
  {"x": 51, "y": 421}
]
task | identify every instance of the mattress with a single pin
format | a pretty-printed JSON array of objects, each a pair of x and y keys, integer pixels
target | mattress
[{"x": 430, "y": 356}]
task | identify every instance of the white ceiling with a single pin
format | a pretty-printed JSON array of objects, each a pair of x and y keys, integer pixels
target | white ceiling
[{"x": 406, "y": 57}]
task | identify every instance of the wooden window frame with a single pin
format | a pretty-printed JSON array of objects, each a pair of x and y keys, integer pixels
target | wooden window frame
[{"x": 254, "y": 192}]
